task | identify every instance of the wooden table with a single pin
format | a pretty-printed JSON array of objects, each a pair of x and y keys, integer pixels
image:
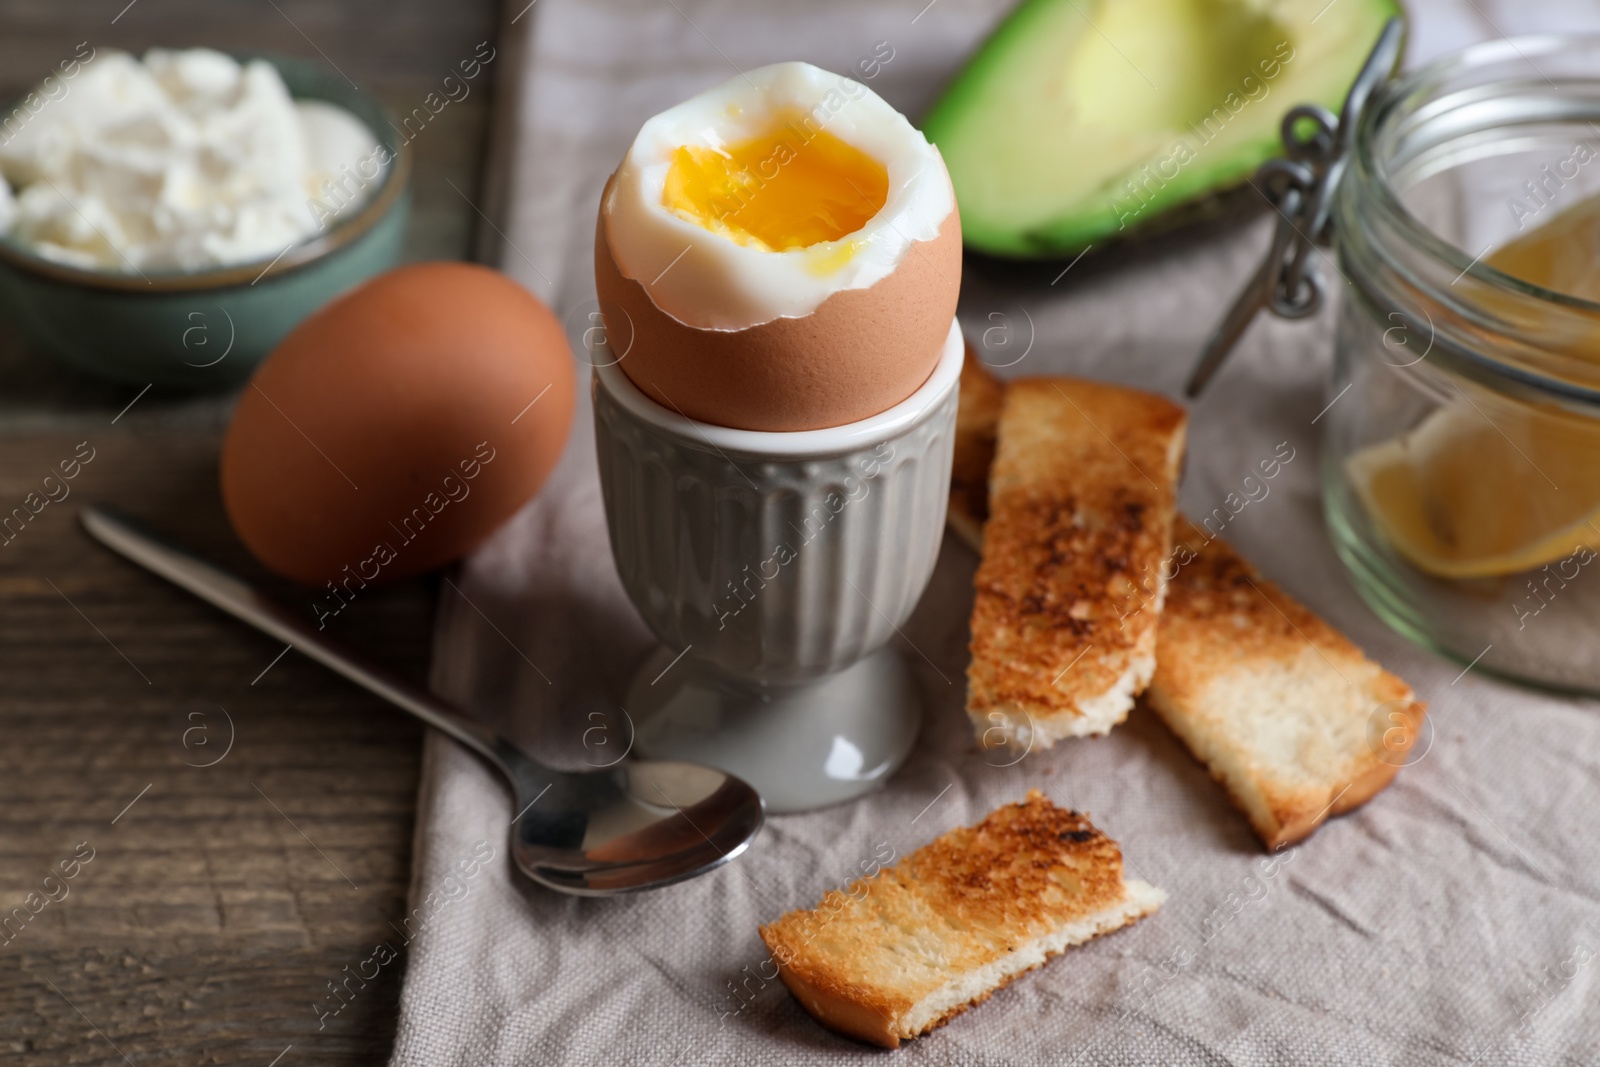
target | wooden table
[{"x": 221, "y": 899}]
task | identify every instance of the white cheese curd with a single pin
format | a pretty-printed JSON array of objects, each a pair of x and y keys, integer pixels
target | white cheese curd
[{"x": 185, "y": 161}]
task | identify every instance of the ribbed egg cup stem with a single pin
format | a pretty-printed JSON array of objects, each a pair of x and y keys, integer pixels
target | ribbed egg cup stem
[{"x": 775, "y": 568}]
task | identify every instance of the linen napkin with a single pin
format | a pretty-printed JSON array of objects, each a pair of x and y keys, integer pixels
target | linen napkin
[{"x": 1452, "y": 920}]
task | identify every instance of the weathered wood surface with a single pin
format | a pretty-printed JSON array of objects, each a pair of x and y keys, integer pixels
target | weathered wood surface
[{"x": 220, "y": 904}]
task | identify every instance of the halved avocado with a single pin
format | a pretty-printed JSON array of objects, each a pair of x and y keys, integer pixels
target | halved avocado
[{"x": 1080, "y": 122}]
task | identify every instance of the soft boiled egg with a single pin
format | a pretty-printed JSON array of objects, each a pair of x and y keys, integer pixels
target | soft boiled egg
[{"x": 779, "y": 253}]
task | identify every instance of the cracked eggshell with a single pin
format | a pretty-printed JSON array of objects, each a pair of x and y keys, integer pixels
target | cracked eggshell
[{"x": 861, "y": 351}]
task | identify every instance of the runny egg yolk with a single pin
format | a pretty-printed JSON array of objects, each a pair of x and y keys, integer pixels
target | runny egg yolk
[{"x": 794, "y": 186}]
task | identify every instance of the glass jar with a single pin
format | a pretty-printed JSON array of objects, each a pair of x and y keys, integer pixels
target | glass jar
[{"x": 1461, "y": 444}]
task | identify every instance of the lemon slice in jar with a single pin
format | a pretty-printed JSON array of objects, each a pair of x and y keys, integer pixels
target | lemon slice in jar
[
  {"x": 1473, "y": 493},
  {"x": 1493, "y": 486}
]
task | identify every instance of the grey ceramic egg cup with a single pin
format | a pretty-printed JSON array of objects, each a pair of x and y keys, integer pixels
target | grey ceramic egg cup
[{"x": 774, "y": 568}]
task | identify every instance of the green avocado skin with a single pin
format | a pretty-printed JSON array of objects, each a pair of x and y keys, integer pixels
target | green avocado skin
[{"x": 1091, "y": 221}]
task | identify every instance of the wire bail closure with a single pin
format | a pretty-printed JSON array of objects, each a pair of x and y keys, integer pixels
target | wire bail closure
[{"x": 1301, "y": 186}]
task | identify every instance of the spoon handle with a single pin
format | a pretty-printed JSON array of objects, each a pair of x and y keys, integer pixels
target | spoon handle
[{"x": 246, "y": 603}]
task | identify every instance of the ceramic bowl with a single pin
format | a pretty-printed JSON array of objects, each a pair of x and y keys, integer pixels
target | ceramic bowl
[{"x": 209, "y": 329}]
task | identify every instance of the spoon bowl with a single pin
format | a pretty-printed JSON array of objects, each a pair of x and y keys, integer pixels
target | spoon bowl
[{"x": 646, "y": 823}]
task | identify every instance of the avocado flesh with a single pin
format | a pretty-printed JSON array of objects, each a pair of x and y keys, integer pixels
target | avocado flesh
[{"x": 1081, "y": 121}]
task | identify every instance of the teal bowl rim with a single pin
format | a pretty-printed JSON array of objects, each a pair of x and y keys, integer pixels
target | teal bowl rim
[{"x": 345, "y": 231}]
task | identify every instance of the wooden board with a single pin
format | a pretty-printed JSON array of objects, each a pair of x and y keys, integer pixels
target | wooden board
[{"x": 220, "y": 904}]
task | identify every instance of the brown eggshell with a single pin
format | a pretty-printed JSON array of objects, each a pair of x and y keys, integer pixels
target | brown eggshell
[
  {"x": 861, "y": 352},
  {"x": 391, "y": 432}
]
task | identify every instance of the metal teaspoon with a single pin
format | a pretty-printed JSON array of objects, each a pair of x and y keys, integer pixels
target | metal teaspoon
[{"x": 635, "y": 825}]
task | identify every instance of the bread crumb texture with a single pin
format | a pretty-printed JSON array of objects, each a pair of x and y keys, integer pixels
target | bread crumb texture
[
  {"x": 1066, "y": 599},
  {"x": 1283, "y": 709},
  {"x": 882, "y": 959}
]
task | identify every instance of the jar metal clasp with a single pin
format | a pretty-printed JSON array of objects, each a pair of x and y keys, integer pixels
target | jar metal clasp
[{"x": 1300, "y": 185}]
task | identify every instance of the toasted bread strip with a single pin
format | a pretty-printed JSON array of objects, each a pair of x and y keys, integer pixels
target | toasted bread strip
[
  {"x": 1070, "y": 588},
  {"x": 1287, "y": 714},
  {"x": 910, "y": 948},
  {"x": 977, "y": 425}
]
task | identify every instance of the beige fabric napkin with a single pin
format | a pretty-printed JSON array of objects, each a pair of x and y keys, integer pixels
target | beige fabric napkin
[{"x": 1453, "y": 920}]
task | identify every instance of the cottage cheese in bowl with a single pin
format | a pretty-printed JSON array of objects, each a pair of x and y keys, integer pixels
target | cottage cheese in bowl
[{"x": 184, "y": 161}]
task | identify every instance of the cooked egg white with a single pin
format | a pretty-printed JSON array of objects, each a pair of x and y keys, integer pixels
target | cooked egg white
[{"x": 761, "y": 198}]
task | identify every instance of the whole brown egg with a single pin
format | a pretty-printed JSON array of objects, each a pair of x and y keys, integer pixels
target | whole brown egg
[{"x": 398, "y": 427}]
